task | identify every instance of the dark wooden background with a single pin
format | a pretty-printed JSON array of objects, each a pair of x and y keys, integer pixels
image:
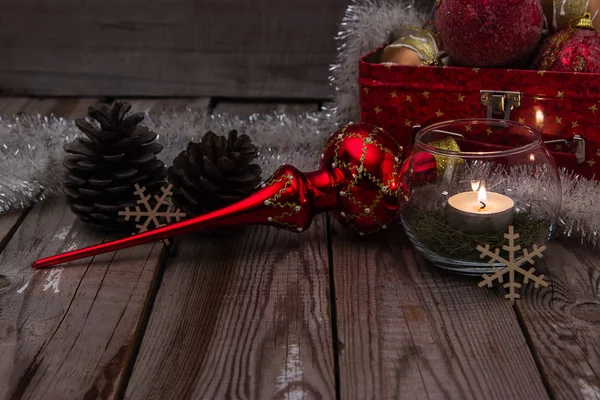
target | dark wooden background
[
  {"x": 279, "y": 49},
  {"x": 236, "y": 48}
]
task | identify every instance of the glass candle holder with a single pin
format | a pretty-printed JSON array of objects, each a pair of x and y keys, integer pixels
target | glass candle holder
[{"x": 467, "y": 181}]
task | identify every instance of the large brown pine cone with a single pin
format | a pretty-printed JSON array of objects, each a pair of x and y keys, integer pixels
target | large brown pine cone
[
  {"x": 214, "y": 173},
  {"x": 105, "y": 166}
]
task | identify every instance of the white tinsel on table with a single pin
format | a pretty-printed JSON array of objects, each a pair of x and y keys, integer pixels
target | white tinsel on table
[{"x": 31, "y": 147}]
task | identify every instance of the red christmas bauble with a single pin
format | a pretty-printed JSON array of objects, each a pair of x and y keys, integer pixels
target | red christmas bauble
[
  {"x": 571, "y": 50},
  {"x": 365, "y": 162},
  {"x": 489, "y": 33}
]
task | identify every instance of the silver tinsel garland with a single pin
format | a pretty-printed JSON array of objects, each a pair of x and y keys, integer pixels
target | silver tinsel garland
[{"x": 31, "y": 147}]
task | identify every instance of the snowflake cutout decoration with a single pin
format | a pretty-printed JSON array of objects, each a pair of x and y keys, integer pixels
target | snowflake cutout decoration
[
  {"x": 162, "y": 210},
  {"x": 512, "y": 266}
]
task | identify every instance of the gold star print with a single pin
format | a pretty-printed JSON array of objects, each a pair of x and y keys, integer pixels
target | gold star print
[
  {"x": 574, "y": 124},
  {"x": 598, "y": 152},
  {"x": 591, "y": 162},
  {"x": 439, "y": 113},
  {"x": 488, "y": 131},
  {"x": 468, "y": 128},
  {"x": 426, "y": 94},
  {"x": 388, "y": 65},
  {"x": 408, "y": 123},
  {"x": 366, "y": 90},
  {"x": 377, "y": 110},
  {"x": 559, "y": 147},
  {"x": 521, "y": 120},
  {"x": 559, "y": 120},
  {"x": 394, "y": 95},
  {"x": 541, "y": 73},
  {"x": 594, "y": 108},
  {"x": 476, "y": 70},
  {"x": 409, "y": 98},
  {"x": 461, "y": 98},
  {"x": 560, "y": 94}
]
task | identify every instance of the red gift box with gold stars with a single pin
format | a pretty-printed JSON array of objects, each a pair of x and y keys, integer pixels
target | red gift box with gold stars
[{"x": 564, "y": 107}]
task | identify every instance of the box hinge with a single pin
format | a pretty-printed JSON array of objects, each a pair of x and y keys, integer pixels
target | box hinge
[{"x": 500, "y": 102}]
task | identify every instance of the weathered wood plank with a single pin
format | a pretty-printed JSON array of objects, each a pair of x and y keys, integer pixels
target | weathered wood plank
[
  {"x": 68, "y": 332},
  {"x": 407, "y": 330},
  {"x": 73, "y": 107},
  {"x": 265, "y": 48},
  {"x": 179, "y": 105},
  {"x": 563, "y": 320},
  {"x": 29, "y": 105},
  {"x": 8, "y": 224},
  {"x": 12, "y": 105},
  {"x": 245, "y": 316},
  {"x": 248, "y": 107}
]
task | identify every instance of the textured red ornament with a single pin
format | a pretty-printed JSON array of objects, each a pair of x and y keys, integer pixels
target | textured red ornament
[
  {"x": 358, "y": 180},
  {"x": 486, "y": 33},
  {"x": 571, "y": 50}
]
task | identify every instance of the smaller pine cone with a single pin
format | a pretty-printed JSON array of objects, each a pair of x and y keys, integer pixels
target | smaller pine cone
[{"x": 214, "y": 173}]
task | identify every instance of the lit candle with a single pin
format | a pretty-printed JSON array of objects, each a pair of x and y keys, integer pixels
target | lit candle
[{"x": 479, "y": 211}]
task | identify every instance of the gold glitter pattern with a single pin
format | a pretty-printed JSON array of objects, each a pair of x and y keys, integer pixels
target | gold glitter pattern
[
  {"x": 389, "y": 188},
  {"x": 288, "y": 208}
]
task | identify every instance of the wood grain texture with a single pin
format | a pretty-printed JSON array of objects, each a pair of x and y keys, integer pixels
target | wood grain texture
[
  {"x": 12, "y": 105},
  {"x": 264, "y": 48},
  {"x": 248, "y": 108},
  {"x": 407, "y": 330},
  {"x": 8, "y": 224},
  {"x": 68, "y": 332},
  {"x": 73, "y": 107},
  {"x": 200, "y": 104},
  {"x": 563, "y": 320},
  {"x": 245, "y": 316}
]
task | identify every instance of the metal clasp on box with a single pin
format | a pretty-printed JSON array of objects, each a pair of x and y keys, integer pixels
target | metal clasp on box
[
  {"x": 500, "y": 102},
  {"x": 579, "y": 151}
]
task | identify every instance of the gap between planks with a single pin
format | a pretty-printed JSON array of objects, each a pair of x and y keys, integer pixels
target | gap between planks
[
  {"x": 562, "y": 322},
  {"x": 48, "y": 229},
  {"x": 408, "y": 330}
]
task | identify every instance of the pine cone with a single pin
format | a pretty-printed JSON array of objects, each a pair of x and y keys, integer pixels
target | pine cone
[
  {"x": 105, "y": 166},
  {"x": 214, "y": 173}
]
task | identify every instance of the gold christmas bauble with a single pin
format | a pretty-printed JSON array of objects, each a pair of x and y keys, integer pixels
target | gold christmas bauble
[
  {"x": 415, "y": 47},
  {"x": 444, "y": 162},
  {"x": 561, "y": 14}
]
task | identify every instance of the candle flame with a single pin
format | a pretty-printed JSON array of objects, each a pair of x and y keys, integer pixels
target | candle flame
[
  {"x": 482, "y": 195},
  {"x": 475, "y": 185}
]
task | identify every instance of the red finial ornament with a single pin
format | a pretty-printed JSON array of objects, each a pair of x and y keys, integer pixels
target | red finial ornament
[{"x": 358, "y": 180}]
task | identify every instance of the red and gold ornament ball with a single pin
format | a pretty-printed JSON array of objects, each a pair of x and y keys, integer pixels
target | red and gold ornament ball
[
  {"x": 489, "y": 33},
  {"x": 365, "y": 162},
  {"x": 575, "y": 49}
]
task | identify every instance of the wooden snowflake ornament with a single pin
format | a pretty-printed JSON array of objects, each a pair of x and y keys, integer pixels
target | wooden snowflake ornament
[
  {"x": 154, "y": 216},
  {"x": 512, "y": 266}
]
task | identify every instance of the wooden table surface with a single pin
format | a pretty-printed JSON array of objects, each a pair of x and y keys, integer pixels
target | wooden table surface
[{"x": 268, "y": 314}]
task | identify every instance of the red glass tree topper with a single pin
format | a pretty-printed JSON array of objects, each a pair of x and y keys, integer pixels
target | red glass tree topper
[{"x": 358, "y": 180}]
